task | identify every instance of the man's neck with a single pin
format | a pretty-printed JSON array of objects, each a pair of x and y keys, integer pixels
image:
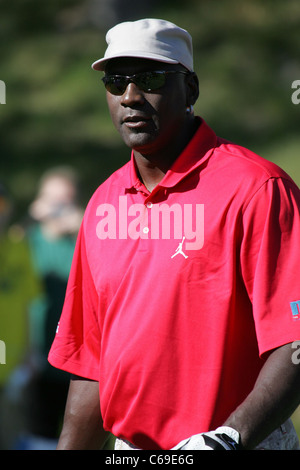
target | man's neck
[
  {"x": 152, "y": 167},
  {"x": 149, "y": 173}
]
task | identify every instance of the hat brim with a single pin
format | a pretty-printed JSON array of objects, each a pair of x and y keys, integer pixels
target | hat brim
[{"x": 101, "y": 63}]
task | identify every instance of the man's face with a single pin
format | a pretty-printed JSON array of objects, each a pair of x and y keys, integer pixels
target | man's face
[{"x": 147, "y": 121}]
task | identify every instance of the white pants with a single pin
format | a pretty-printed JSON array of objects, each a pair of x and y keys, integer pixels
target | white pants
[{"x": 283, "y": 438}]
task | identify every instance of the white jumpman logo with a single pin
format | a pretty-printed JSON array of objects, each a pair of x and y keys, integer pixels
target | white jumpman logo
[{"x": 179, "y": 250}]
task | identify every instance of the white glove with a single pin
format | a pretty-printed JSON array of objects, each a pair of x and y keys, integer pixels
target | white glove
[{"x": 223, "y": 438}]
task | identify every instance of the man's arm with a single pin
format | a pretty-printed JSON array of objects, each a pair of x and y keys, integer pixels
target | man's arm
[
  {"x": 82, "y": 427},
  {"x": 274, "y": 398}
]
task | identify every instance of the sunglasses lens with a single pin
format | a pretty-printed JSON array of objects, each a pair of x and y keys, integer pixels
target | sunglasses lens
[
  {"x": 115, "y": 84},
  {"x": 148, "y": 81}
]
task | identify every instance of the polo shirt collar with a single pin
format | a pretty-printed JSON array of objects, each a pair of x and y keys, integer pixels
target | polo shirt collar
[{"x": 198, "y": 150}]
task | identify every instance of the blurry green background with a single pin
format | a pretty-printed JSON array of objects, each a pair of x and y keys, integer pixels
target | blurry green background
[{"x": 247, "y": 54}]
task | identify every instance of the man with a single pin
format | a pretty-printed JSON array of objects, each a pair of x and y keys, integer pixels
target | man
[{"x": 192, "y": 351}]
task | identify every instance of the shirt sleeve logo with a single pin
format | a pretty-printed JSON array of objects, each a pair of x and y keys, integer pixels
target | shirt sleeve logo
[{"x": 295, "y": 307}]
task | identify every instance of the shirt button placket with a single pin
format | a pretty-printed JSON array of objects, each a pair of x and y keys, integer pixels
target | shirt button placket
[
  {"x": 146, "y": 229},
  {"x": 144, "y": 241}
]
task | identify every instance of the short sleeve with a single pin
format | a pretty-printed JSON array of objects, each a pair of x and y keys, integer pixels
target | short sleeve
[
  {"x": 76, "y": 346},
  {"x": 270, "y": 260}
]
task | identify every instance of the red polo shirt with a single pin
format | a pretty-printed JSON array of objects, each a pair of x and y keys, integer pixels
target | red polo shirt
[{"x": 175, "y": 296}]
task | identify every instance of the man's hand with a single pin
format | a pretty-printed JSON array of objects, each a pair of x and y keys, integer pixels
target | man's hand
[
  {"x": 274, "y": 398},
  {"x": 223, "y": 438}
]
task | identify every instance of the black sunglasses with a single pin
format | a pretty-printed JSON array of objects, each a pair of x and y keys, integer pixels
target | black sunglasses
[{"x": 146, "y": 81}]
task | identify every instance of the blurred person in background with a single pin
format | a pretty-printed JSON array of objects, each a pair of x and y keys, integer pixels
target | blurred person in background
[
  {"x": 55, "y": 219},
  {"x": 19, "y": 283}
]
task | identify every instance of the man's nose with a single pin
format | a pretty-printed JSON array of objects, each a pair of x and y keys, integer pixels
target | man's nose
[{"x": 132, "y": 95}]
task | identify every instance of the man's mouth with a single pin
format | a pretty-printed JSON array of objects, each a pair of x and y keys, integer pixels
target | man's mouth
[{"x": 136, "y": 121}]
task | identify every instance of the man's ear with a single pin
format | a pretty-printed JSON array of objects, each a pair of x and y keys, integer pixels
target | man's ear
[{"x": 192, "y": 83}]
